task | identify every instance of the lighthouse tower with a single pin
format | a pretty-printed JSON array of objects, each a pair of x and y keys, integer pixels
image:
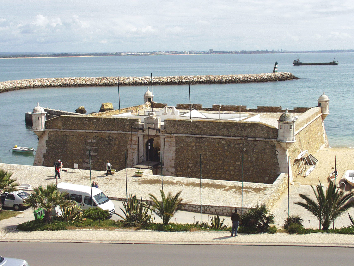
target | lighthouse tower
[
  {"x": 323, "y": 102},
  {"x": 38, "y": 119}
]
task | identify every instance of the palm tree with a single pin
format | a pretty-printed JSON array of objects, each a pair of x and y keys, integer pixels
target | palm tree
[
  {"x": 46, "y": 198},
  {"x": 167, "y": 207},
  {"x": 329, "y": 204},
  {"x": 6, "y": 183}
]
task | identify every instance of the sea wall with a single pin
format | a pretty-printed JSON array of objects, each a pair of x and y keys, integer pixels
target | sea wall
[{"x": 141, "y": 81}]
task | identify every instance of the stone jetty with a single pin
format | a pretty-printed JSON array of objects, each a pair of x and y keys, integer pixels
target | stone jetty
[{"x": 142, "y": 81}]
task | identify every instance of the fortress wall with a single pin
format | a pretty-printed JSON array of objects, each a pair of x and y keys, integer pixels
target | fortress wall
[
  {"x": 222, "y": 159},
  {"x": 92, "y": 123},
  {"x": 186, "y": 106},
  {"x": 220, "y": 128},
  {"x": 73, "y": 147},
  {"x": 142, "y": 81},
  {"x": 310, "y": 135}
]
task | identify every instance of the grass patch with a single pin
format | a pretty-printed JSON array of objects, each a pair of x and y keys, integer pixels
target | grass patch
[{"x": 4, "y": 214}]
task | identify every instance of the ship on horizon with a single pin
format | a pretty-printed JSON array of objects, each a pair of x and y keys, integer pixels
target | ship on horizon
[{"x": 297, "y": 62}]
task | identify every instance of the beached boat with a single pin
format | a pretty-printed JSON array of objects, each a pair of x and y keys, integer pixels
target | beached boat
[
  {"x": 22, "y": 149},
  {"x": 297, "y": 62},
  {"x": 349, "y": 177}
]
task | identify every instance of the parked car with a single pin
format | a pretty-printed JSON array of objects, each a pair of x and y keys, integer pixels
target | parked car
[
  {"x": 12, "y": 262},
  {"x": 14, "y": 199}
]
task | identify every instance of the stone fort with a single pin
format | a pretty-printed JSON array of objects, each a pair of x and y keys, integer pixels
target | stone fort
[{"x": 224, "y": 142}]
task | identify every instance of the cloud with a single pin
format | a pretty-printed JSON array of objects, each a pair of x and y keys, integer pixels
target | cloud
[{"x": 171, "y": 25}]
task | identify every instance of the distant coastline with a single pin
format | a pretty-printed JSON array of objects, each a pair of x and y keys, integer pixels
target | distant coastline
[{"x": 12, "y": 55}]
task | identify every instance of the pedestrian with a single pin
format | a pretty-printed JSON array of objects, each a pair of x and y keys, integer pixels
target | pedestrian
[
  {"x": 57, "y": 167},
  {"x": 109, "y": 168},
  {"x": 235, "y": 218}
]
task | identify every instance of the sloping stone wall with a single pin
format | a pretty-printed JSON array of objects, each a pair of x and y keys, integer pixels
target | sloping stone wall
[
  {"x": 73, "y": 147},
  {"x": 223, "y": 159}
]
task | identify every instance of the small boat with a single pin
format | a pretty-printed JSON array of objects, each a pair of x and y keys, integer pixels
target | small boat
[
  {"x": 22, "y": 149},
  {"x": 349, "y": 177},
  {"x": 297, "y": 62}
]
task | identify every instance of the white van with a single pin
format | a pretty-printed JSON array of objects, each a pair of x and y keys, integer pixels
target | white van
[{"x": 82, "y": 195}]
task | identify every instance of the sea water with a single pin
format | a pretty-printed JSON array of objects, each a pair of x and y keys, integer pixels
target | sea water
[{"x": 335, "y": 81}]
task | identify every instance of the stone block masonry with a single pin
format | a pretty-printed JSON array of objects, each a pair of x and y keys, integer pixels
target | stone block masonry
[{"x": 142, "y": 81}]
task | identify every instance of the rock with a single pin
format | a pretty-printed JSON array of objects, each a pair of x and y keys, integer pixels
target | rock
[
  {"x": 106, "y": 107},
  {"x": 81, "y": 110}
]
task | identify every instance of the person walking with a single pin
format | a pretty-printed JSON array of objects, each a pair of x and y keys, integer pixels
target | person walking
[
  {"x": 57, "y": 167},
  {"x": 235, "y": 218},
  {"x": 109, "y": 168}
]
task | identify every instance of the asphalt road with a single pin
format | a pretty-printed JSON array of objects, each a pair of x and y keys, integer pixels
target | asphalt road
[{"x": 128, "y": 254}]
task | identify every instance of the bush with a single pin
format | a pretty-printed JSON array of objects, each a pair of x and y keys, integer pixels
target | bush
[
  {"x": 41, "y": 225},
  {"x": 256, "y": 220},
  {"x": 136, "y": 213},
  {"x": 272, "y": 229},
  {"x": 217, "y": 223},
  {"x": 295, "y": 219},
  {"x": 296, "y": 228},
  {"x": 71, "y": 213},
  {"x": 96, "y": 214}
]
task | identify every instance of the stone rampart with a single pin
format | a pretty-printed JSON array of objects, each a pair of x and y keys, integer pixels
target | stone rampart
[
  {"x": 92, "y": 123},
  {"x": 226, "y": 159},
  {"x": 245, "y": 130},
  {"x": 142, "y": 81}
]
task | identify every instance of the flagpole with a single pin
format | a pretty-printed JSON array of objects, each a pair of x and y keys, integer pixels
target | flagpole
[
  {"x": 190, "y": 105},
  {"x": 118, "y": 96}
]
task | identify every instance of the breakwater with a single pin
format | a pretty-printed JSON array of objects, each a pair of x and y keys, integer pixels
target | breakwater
[{"x": 141, "y": 81}]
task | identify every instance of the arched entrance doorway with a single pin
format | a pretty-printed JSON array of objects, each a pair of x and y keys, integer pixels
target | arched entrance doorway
[{"x": 152, "y": 152}]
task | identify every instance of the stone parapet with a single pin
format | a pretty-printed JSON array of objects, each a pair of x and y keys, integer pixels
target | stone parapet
[{"x": 220, "y": 128}]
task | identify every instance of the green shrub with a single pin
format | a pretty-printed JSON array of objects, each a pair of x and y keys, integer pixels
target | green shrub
[
  {"x": 272, "y": 229},
  {"x": 88, "y": 223},
  {"x": 256, "y": 220},
  {"x": 96, "y": 214},
  {"x": 295, "y": 228},
  {"x": 295, "y": 219},
  {"x": 172, "y": 227},
  {"x": 41, "y": 225},
  {"x": 217, "y": 223},
  {"x": 71, "y": 213},
  {"x": 136, "y": 213}
]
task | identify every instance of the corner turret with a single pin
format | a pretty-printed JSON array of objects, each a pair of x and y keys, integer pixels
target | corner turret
[
  {"x": 148, "y": 97},
  {"x": 286, "y": 128},
  {"x": 323, "y": 102},
  {"x": 38, "y": 119}
]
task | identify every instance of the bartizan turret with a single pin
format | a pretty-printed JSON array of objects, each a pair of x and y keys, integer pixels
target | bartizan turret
[
  {"x": 38, "y": 119},
  {"x": 323, "y": 102},
  {"x": 148, "y": 97},
  {"x": 286, "y": 128}
]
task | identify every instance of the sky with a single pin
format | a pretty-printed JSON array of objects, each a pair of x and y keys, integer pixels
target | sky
[{"x": 86, "y": 26}]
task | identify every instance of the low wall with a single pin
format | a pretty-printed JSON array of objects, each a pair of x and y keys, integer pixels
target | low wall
[{"x": 141, "y": 81}]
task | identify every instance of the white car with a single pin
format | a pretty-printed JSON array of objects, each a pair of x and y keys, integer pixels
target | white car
[
  {"x": 12, "y": 262},
  {"x": 14, "y": 199}
]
